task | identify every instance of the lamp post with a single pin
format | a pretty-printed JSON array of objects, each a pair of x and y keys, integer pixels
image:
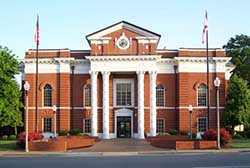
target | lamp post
[
  {"x": 190, "y": 109},
  {"x": 217, "y": 85},
  {"x": 26, "y": 88},
  {"x": 54, "y": 108}
]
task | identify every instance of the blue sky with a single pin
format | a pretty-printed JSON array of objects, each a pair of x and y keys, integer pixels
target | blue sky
[{"x": 64, "y": 24}]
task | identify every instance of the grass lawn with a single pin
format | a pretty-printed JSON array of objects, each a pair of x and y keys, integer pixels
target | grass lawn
[
  {"x": 241, "y": 143},
  {"x": 7, "y": 145}
]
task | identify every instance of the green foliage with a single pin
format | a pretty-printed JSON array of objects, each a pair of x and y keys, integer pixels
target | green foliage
[
  {"x": 5, "y": 137},
  {"x": 237, "y": 110},
  {"x": 10, "y": 103},
  {"x": 12, "y": 137},
  {"x": 237, "y": 136},
  {"x": 74, "y": 132},
  {"x": 63, "y": 133},
  {"x": 173, "y": 132},
  {"x": 238, "y": 48},
  {"x": 247, "y": 134},
  {"x": 184, "y": 133}
]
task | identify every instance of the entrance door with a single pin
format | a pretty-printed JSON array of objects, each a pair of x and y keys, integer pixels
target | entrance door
[{"x": 123, "y": 127}]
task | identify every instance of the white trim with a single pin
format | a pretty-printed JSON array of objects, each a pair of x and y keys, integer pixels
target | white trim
[
  {"x": 124, "y": 113},
  {"x": 158, "y": 108},
  {"x": 119, "y": 26},
  {"x": 122, "y": 80}
]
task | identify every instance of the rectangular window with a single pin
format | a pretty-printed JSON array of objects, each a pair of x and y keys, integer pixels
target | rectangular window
[
  {"x": 47, "y": 125},
  {"x": 202, "y": 124},
  {"x": 123, "y": 94},
  {"x": 160, "y": 125},
  {"x": 86, "y": 125}
]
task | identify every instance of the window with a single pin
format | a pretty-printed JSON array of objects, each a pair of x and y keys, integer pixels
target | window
[
  {"x": 160, "y": 94},
  {"x": 123, "y": 94},
  {"x": 202, "y": 124},
  {"x": 86, "y": 93},
  {"x": 47, "y": 125},
  {"x": 202, "y": 95},
  {"x": 86, "y": 125},
  {"x": 160, "y": 125},
  {"x": 47, "y": 95}
]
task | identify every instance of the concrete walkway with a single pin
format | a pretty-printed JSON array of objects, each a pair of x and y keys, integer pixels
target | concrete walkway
[{"x": 120, "y": 145}]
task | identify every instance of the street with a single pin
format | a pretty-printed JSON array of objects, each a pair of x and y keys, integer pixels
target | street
[{"x": 174, "y": 160}]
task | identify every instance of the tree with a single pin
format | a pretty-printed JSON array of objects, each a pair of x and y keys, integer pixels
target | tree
[
  {"x": 237, "y": 110},
  {"x": 10, "y": 102},
  {"x": 239, "y": 49}
]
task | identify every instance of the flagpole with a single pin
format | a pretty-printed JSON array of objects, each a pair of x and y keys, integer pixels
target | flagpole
[
  {"x": 37, "y": 44},
  {"x": 208, "y": 90}
]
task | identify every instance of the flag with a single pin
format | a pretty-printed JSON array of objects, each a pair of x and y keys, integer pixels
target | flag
[
  {"x": 205, "y": 28},
  {"x": 36, "y": 37}
]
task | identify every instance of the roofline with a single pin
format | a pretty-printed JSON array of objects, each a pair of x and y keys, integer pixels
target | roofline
[{"x": 120, "y": 23}]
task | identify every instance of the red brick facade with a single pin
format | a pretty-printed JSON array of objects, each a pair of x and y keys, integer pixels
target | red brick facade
[{"x": 67, "y": 87}]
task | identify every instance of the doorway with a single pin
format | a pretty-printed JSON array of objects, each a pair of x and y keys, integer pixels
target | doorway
[{"x": 123, "y": 127}]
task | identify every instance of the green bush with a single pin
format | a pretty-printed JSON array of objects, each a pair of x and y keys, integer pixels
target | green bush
[
  {"x": 184, "y": 133},
  {"x": 194, "y": 135},
  {"x": 12, "y": 137},
  {"x": 74, "y": 132},
  {"x": 247, "y": 134},
  {"x": 63, "y": 133},
  {"x": 173, "y": 132},
  {"x": 237, "y": 136},
  {"x": 5, "y": 137}
]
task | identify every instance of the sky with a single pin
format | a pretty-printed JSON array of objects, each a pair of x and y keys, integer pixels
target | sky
[{"x": 65, "y": 23}]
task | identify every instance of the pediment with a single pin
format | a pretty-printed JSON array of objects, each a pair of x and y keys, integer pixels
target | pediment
[{"x": 141, "y": 32}]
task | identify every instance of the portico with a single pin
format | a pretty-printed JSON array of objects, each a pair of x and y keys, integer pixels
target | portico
[{"x": 114, "y": 64}]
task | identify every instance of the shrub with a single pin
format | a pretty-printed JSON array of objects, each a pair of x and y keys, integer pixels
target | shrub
[
  {"x": 237, "y": 136},
  {"x": 32, "y": 136},
  {"x": 185, "y": 133},
  {"x": 63, "y": 133},
  {"x": 12, "y": 137},
  {"x": 247, "y": 134},
  {"x": 225, "y": 136},
  {"x": 74, "y": 132},
  {"x": 194, "y": 135},
  {"x": 5, "y": 137},
  {"x": 173, "y": 132}
]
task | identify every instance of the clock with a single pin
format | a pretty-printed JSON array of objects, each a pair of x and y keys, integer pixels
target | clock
[{"x": 122, "y": 42}]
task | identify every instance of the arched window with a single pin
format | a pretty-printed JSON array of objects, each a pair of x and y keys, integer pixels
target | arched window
[
  {"x": 202, "y": 95},
  {"x": 86, "y": 95},
  {"x": 47, "y": 95},
  {"x": 160, "y": 95}
]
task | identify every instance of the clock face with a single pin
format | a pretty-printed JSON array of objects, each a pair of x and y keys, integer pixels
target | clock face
[{"x": 123, "y": 42}]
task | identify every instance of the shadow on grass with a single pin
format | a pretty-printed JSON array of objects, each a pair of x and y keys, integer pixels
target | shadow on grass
[{"x": 6, "y": 145}]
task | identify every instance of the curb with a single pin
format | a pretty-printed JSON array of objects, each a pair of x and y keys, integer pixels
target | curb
[{"x": 72, "y": 154}]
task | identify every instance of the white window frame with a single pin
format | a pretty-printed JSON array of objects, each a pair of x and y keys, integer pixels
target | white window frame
[
  {"x": 83, "y": 129},
  {"x": 43, "y": 95},
  {"x": 84, "y": 96},
  {"x": 164, "y": 95},
  {"x": 197, "y": 98},
  {"x": 43, "y": 124},
  {"x": 198, "y": 122},
  {"x": 164, "y": 128},
  {"x": 116, "y": 81}
]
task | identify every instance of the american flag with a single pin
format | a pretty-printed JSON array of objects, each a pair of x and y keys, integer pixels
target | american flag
[
  {"x": 36, "y": 37},
  {"x": 205, "y": 28}
]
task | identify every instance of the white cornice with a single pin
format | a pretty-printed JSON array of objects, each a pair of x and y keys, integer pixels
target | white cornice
[
  {"x": 125, "y": 58},
  {"x": 203, "y": 59}
]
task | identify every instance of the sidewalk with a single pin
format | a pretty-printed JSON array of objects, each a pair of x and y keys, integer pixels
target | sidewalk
[{"x": 163, "y": 152}]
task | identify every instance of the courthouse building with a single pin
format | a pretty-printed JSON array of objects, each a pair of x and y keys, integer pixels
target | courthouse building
[{"x": 124, "y": 86}]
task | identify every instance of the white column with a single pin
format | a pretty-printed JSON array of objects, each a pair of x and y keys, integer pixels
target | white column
[
  {"x": 153, "y": 75},
  {"x": 105, "y": 100},
  {"x": 94, "y": 103},
  {"x": 140, "y": 75}
]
